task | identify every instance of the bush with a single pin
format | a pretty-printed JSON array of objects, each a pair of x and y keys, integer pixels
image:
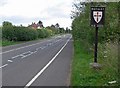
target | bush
[
  {"x": 19, "y": 34},
  {"x": 43, "y": 33},
  {"x": 82, "y": 29}
]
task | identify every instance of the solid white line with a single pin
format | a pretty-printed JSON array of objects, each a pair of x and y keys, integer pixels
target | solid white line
[
  {"x": 43, "y": 69},
  {"x": 22, "y": 47},
  {"x": 19, "y": 48},
  {"x": 4, "y": 66}
]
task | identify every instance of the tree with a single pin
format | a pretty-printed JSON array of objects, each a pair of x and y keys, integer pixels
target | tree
[
  {"x": 78, "y": 8},
  {"x": 7, "y": 24},
  {"x": 61, "y": 30},
  {"x": 67, "y": 30}
]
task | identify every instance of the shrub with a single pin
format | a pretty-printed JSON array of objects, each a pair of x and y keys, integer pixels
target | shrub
[
  {"x": 43, "y": 33},
  {"x": 19, "y": 34},
  {"x": 82, "y": 29}
]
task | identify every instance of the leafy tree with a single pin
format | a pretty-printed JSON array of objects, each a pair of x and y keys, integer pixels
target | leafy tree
[
  {"x": 7, "y": 24},
  {"x": 82, "y": 29}
]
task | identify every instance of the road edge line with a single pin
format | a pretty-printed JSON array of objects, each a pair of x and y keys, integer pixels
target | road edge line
[{"x": 46, "y": 66}]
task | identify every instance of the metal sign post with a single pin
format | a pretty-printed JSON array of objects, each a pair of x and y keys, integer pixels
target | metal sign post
[{"x": 97, "y": 20}]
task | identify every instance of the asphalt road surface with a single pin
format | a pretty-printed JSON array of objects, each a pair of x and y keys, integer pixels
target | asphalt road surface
[{"x": 38, "y": 63}]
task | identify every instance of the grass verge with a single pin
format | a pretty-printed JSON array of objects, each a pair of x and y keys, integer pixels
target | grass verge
[
  {"x": 7, "y": 43},
  {"x": 84, "y": 75}
]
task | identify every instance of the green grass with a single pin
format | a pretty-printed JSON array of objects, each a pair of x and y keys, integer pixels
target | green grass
[
  {"x": 84, "y": 75},
  {"x": 7, "y": 43}
]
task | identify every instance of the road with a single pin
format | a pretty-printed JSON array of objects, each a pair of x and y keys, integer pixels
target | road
[{"x": 38, "y": 63}]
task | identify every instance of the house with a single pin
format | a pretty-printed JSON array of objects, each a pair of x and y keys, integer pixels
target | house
[{"x": 39, "y": 25}]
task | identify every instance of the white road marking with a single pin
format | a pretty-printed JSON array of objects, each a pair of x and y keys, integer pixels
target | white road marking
[
  {"x": 15, "y": 56},
  {"x": 19, "y": 48},
  {"x": 38, "y": 48},
  {"x": 34, "y": 51},
  {"x": 43, "y": 69},
  {"x": 4, "y": 66},
  {"x": 10, "y": 61},
  {"x": 26, "y": 52},
  {"x": 43, "y": 47},
  {"x": 22, "y": 55},
  {"x": 27, "y": 55},
  {"x": 22, "y": 47}
]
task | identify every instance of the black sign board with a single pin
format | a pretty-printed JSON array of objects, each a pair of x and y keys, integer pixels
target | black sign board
[{"x": 97, "y": 16}]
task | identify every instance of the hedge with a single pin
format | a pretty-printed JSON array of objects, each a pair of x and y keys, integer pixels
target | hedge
[
  {"x": 19, "y": 34},
  {"x": 16, "y": 33}
]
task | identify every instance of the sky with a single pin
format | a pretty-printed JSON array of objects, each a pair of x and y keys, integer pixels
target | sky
[{"x": 27, "y": 11}]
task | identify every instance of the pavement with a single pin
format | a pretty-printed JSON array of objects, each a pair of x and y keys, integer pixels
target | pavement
[{"x": 38, "y": 63}]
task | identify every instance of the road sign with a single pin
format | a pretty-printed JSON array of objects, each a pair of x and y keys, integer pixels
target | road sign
[
  {"x": 97, "y": 20},
  {"x": 97, "y": 16}
]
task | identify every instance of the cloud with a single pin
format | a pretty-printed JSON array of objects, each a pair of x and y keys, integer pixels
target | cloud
[
  {"x": 26, "y": 11},
  {"x": 3, "y": 2},
  {"x": 20, "y": 20}
]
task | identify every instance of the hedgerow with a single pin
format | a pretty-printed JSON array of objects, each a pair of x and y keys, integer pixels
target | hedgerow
[
  {"x": 19, "y": 34},
  {"x": 16, "y": 33},
  {"x": 110, "y": 32}
]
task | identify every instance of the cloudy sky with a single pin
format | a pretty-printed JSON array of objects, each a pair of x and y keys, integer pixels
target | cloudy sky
[{"x": 27, "y": 11}]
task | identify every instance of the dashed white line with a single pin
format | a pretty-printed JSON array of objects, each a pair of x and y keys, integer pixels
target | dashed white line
[
  {"x": 38, "y": 48},
  {"x": 22, "y": 47},
  {"x": 10, "y": 61},
  {"x": 34, "y": 51},
  {"x": 27, "y": 55},
  {"x": 15, "y": 56},
  {"x": 4, "y": 66},
  {"x": 43, "y": 69},
  {"x": 26, "y": 52}
]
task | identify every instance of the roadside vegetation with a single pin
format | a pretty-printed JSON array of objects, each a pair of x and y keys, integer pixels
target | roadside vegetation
[
  {"x": 18, "y": 34},
  {"x": 83, "y": 35}
]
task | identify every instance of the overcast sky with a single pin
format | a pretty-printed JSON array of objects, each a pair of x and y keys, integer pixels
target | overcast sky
[{"x": 27, "y": 11}]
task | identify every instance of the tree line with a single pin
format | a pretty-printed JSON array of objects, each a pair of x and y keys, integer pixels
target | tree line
[{"x": 21, "y": 33}]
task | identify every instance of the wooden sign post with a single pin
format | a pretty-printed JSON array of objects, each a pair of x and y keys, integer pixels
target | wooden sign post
[{"x": 97, "y": 20}]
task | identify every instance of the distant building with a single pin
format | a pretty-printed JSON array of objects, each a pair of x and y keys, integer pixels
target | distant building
[{"x": 39, "y": 25}]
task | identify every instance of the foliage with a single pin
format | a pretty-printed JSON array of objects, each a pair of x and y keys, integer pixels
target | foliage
[
  {"x": 83, "y": 34},
  {"x": 83, "y": 75},
  {"x": 16, "y": 33},
  {"x": 7, "y": 24},
  {"x": 19, "y": 34},
  {"x": 81, "y": 24},
  {"x": 5, "y": 42},
  {"x": 43, "y": 33},
  {"x": 0, "y": 33}
]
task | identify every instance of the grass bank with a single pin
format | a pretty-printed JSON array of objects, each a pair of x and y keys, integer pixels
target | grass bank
[
  {"x": 84, "y": 75},
  {"x": 7, "y": 43}
]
